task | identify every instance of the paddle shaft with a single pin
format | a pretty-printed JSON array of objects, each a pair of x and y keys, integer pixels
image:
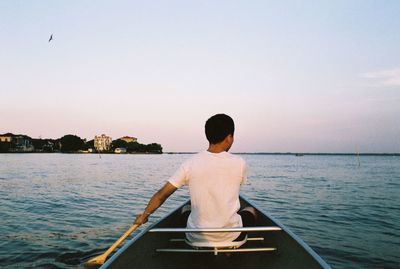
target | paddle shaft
[
  {"x": 99, "y": 260},
  {"x": 121, "y": 239}
]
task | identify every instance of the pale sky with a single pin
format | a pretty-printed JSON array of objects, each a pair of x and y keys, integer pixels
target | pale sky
[{"x": 298, "y": 76}]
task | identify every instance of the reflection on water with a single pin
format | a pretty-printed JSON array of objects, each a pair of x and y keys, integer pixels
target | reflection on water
[{"x": 58, "y": 210}]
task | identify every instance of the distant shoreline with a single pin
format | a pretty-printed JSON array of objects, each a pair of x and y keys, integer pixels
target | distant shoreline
[
  {"x": 239, "y": 153},
  {"x": 301, "y": 154},
  {"x": 85, "y": 153}
]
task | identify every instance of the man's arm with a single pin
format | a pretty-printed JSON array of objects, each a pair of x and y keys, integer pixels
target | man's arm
[{"x": 155, "y": 202}]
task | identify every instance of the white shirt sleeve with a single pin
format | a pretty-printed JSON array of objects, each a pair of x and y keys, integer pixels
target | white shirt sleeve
[{"x": 180, "y": 177}]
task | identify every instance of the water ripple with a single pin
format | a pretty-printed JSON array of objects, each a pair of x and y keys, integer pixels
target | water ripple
[{"x": 58, "y": 210}]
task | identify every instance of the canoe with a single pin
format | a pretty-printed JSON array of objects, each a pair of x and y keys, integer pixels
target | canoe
[{"x": 269, "y": 245}]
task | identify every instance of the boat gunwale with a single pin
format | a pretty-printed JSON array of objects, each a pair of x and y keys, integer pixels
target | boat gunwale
[
  {"x": 291, "y": 234},
  {"x": 130, "y": 242}
]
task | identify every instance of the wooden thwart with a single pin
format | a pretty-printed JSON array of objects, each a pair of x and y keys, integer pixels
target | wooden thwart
[
  {"x": 216, "y": 230},
  {"x": 210, "y": 247},
  {"x": 188, "y": 250},
  {"x": 248, "y": 239}
]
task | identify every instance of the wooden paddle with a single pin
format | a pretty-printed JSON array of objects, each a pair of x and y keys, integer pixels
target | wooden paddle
[{"x": 99, "y": 260}]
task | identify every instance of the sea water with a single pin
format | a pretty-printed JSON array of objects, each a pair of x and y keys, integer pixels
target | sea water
[{"x": 58, "y": 210}]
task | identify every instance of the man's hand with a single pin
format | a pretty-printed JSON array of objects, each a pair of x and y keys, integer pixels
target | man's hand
[{"x": 141, "y": 219}]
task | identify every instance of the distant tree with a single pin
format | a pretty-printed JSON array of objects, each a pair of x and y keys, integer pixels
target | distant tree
[
  {"x": 119, "y": 143},
  {"x": 45, "y": 145},
  {"x": 133, "y": 147},
  {"x": 90, "y": 144},
  {"x": 38, "y": 143},
  {"x": 142, "y": 148},
  {"x": 72, "y": 143},
  {"x": 57, "y": 144},
  {"x": 154, "y": 148},
  {"x": 50, "y": 145},
  {"x": 5, "y": 146}
]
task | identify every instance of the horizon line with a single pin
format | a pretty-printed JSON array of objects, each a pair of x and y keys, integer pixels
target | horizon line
[{"x": 298, "y": 154}]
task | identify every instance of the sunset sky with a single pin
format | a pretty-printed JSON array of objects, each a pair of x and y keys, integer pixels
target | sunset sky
[{"x": 298, "y": 76}]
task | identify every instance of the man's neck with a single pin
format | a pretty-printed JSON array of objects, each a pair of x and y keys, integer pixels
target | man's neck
[{"x": 216, "y": 148}]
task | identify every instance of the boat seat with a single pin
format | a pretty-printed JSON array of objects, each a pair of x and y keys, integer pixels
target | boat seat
[
  {"x": 229, "y": 244},
  {"x": 216, "y": 247}
]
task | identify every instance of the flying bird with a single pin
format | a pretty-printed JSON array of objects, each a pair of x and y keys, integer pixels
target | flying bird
[{"x": 51, "y": 37}]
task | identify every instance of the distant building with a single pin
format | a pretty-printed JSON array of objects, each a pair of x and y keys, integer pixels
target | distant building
[
  {"x": 7, "y": 138},
  {"x": 23, "y": 143},
  {"x": 102, "y": 142},
  {"x": 5, "y": 142},
  {"x": 17, "y": 143},
  {"x": 129, "y": 139}
]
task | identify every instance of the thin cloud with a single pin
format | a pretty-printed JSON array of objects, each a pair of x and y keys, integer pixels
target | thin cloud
[{"x": 387, "y": 77}]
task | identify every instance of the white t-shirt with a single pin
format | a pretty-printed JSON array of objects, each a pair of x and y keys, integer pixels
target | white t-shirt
[{"x": 214, "y": 181}]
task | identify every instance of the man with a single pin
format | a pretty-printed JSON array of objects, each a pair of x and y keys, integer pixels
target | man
[{"x": 214, "y": 178}]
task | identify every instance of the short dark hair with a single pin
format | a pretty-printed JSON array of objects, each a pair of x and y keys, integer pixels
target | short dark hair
[{"x": 218, "y": 127}]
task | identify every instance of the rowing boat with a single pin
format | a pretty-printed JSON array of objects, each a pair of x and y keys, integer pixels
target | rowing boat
[{"x": 268, "y": 245}]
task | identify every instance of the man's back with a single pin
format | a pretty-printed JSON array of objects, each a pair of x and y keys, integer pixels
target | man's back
[
  {"x": 214, "y": 178},
  {"x": 214, "y": 181}
]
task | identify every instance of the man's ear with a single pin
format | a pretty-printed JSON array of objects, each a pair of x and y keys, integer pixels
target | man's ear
[
  {"x": 228, "y": 141},
  {"x": 229, "y": 138}
]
